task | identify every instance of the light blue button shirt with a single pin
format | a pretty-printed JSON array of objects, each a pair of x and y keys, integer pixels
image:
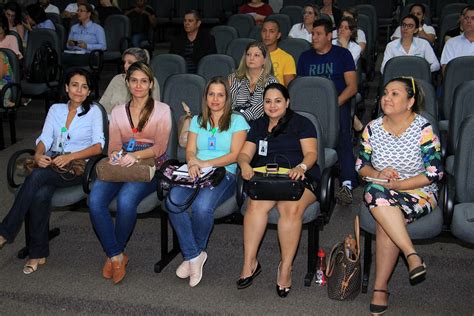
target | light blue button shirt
[
  {"x": 84, "y": 131},
  {"x": 47, "y": 24},
  {"x": 92, "y": 34}
]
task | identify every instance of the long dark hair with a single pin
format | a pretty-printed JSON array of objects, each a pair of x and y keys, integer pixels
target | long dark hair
[
  {"x": 15, "y": 7},
  {"x": 87, "y": 103},
  {"x": 150, "y": 103},
  {"x": 36, "y": 12},
  {"x": 284, "y": 120}
]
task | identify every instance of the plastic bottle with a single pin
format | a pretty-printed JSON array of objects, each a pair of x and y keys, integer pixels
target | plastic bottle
[{"x": 321, "y": 270}]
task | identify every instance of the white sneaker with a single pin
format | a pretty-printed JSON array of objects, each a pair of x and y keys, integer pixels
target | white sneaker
[
  {"x": 183, "y": 270},
  {"x": 196, "y": 269}
]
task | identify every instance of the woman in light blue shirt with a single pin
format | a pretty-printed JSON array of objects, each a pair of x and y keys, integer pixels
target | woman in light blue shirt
[
  {"x": 215, "y": 139},
  {"x": 72, "y": 130}
]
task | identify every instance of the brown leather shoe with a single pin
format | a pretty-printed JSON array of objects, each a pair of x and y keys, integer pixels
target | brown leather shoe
[
  {"x": 119, "y": 269},
  {"x": 108, "y": 270}
]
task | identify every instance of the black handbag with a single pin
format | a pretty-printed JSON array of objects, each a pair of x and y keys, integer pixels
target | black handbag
[
  {"x": 274, "y": 187},
  {"x": 166, "y": 180},
  {"x": 343, "y": 268}
]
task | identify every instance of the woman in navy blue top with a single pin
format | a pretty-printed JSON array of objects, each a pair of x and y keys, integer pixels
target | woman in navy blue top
[{"x": 289, "y": 139}]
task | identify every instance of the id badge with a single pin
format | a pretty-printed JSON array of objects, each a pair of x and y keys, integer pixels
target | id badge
[
  {"x": 211, "y": 143},
  {"x": 131, "y": 145},
  {"x": 262, "y": 147}
]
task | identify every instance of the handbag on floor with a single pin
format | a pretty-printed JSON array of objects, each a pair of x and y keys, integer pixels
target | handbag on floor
[
  {"x": 343, "y": 267},
  {"x": 142, "y": 171},
  {"x": 169, "y": 176}
]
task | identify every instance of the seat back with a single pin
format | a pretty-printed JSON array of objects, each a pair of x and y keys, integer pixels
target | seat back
[
  {"x": 457, "y": 71},
  {"x": 54, "y": 17},
  {"x": 462, "y": 108},
  {"x": 294, "y": 12},
  {"x": 294, "y": 47},
  {"x": 448, "y": 6},
  {"x": 216, "y": 65},
  {"x": 320, "y": 141},
  {"x": 413, "y": 66},
  {"x": 212, "y": 11},
  {"x": 448, "y": 22},
  {"x": 184, "y": 87},
  {"x": 364, "y": 23},
  {"x": 182, "y": 6},
  {"x": 165, "y": 65},
  {"x": 256, "y": 33},
  {"x": 19, "y": 41},
  {"x": 343, "y": 4},
  {"x": 117, "y": 29},
  {"x": 431, "y": 101},
  {"x": 236, "y": 48},
  {"x": 164, "y": 9},
  {"x": 284, "y": 21},
  {"x": 370, "y": 11},
  {"x": 300, "y": 3},
  {"x": 16, "y": 71},
  {"x": 318, "y": 96},
  {"x": 223, "y": 34},
  {"x": 36, "y": 38},
  {"x": 463, "y": 162},
  {"x": 243, "y": 23},
  {"x": 62, "y": 36},
  {"x": 105, "y": 127}
]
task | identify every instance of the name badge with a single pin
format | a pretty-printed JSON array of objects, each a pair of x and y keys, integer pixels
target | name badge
[
  {"x": 131, "y": 145},
  {"x": 262, "y": 147},
  {"x": 211, "y": 143}
]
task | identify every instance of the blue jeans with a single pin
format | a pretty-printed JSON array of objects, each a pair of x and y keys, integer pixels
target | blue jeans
[
  {"x": 193, "y": 228},
  {"x": 129, "y": 195},
  {"x": 34, "y": 199},
  {"x": 138, "y": 38}
]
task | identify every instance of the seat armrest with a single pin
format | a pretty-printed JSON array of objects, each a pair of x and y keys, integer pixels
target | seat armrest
[
  {"x": 89, "y": 172},
  {"x": 324, "y": 191},
  {"x": 449, "y": 200},
  {"x": 125, "y": 43},
  {"x": 11, "y": 166},
  {"x": 443, "y": 138},
  {"x": 12, "y": 86},
  {"x": 96, "y": 60}
]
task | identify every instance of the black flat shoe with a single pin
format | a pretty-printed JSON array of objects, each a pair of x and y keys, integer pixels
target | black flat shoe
[
  {"x": 418, "y": 274},
  {"x": 243, "y": 283},
  {"x": 378, "y": 309},
  {"x": 283, "y": 291}
]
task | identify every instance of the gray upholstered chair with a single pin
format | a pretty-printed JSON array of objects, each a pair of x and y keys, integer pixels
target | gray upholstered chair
[
  {"x": 236, "y": 48},
  {"x": 462, "y": 108},
  {"x": 414, "y": 66},
  {"x": 223, "y": 35},
  {"x": 212, "y": 11},
  {"x": 243, "y": 23},
  {"x": 317, "y": 214},
  {"x": 184, "y": 87},
  {"x": 216, "y": 65},
  {"x": 294, "y": 47},
  {"x": 117, "y": 34},
  {"x": 256, "y": 33},
  {"x": 457, "y": 71},
  {"x": 294, "y": 12},
  {"x": 448, "y": 22},
  {"x": 166, "y": 65},
  {"x": 460, "y": 197},
  {"x": 62, "y": 196}
]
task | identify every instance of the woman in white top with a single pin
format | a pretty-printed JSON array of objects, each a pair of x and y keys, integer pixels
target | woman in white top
[
  {"x": 360, "y": 34},
  {"x": 304, "y": 30},
  {"x": 346, "y": 37},
  {"x": 424, "y": 31},
  {"x": 409, "y": 45}
]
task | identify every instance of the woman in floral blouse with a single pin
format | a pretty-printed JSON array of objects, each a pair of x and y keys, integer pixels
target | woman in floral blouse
[{"x": 401, "y": 152}]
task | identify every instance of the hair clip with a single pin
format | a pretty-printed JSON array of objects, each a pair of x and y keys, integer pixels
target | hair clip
[{"x": 412, "y": 83}]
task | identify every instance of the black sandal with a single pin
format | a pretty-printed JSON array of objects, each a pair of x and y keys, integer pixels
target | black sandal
[
  {"x": 379, "y": 309},
  {"x": 418, "y": 274}
]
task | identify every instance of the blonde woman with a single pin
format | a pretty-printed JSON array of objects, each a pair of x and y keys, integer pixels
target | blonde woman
[{"x": 255, "y": 72}]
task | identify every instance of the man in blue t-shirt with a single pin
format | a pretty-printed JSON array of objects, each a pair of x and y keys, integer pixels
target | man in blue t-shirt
[{"x": 335, "y": 63}]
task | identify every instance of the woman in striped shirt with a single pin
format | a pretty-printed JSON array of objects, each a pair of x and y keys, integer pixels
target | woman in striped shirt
[{"x": 255, "y": 72}]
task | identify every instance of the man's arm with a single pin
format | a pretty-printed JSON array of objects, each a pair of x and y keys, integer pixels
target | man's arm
[{"x": 350, "y": 77}]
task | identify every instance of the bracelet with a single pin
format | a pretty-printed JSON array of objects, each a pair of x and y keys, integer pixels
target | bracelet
[{"x": 302, "y": 166}]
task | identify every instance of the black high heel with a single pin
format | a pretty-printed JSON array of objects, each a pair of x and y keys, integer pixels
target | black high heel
[
  {"x": 243, "y": 283},
  {"x": 282, "y": 291},
  {"x": 379, "y": 309},
  {"x": 418, "y": 274}
]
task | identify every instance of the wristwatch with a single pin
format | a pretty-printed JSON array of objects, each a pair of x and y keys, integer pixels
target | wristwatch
[{"x": 302, "y": 166}]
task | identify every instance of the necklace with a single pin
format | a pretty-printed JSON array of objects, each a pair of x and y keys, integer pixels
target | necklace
[{"x": 397, "y": 132}]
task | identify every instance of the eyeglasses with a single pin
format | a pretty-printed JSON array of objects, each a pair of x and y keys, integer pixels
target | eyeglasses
[
  {"x": 407, "y": 26},
  {"x": 468, "y": 18}
]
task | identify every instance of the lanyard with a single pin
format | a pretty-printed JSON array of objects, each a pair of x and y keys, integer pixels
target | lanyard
[{"x": 129, "y": 115}]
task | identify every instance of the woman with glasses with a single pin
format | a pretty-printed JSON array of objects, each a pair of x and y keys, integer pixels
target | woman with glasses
[
  {"x": 117, "y": 92},
  {"x": 409, "y": 45},
  {"x": 304, "y": 30},
  {"x": 423, "y": 30},
  {"x": 402, "y": 155}
]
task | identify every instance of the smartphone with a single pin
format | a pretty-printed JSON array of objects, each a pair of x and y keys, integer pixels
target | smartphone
[
  {"x": 272, "y": 167},
  {"x": 370, "y": 179}
]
